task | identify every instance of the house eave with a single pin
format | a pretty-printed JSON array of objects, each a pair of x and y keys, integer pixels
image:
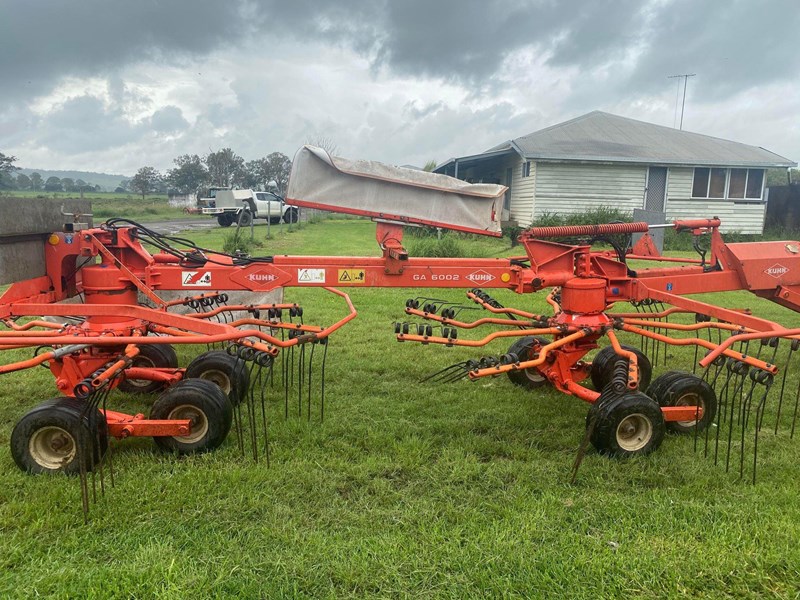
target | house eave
[{"x": 661, "y": 162}]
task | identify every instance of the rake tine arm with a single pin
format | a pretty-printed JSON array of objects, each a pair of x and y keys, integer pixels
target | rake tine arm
[
  {"x": 241, "y": 308},
  {"x": 30, "y": 325},
  {"x": 503, "y": 311},
  {"x": 407, "y": 337},
  {"x": 723, "y": 347},
  {"x": 759, "y": 364},
  {"x": 527, "y": 364},
  {"x": 470, "y": 325},
  {"x": 686, "y": 327}
]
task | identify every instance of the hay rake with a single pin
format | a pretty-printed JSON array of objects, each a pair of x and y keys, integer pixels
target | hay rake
[{"x": 121, "y": 334}]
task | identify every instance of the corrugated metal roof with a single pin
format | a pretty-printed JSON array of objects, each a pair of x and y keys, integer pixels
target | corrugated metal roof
[{"x": 600, "y": 136}]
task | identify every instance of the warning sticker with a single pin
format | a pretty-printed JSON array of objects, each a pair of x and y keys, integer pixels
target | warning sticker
[
  {"x": 351, "y": 276},
  {"x": 196, "y": 278},
  {"x": 311, "y": 275}
]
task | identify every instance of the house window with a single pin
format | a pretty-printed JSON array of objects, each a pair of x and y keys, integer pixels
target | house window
[
  {"x": 719, "y": 183},
  {"x": 526, "y": 169}
]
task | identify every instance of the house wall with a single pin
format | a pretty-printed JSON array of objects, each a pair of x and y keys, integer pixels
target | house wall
[
  {"x": 570, "y": 188},
  {"x": 522, "y": 188},
  {"x": 736, "y": 215}
]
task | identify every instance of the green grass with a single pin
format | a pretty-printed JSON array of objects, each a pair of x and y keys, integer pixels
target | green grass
[
  {"x": 405, "y": 490},
  {"x": 108, "y": 204}
]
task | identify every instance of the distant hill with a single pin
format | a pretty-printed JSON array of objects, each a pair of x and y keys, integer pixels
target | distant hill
[{"x": 107, "y": 181}]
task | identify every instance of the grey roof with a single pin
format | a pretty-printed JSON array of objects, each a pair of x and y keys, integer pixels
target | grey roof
[{"x": 600, "y": 136}]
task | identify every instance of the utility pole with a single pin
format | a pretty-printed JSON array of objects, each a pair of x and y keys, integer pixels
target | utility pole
[{"x": 685, "y": 81}]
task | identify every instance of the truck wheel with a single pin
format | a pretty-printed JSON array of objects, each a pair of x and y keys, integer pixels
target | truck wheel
[
  {"x": 245, "y": 218},
  {"x": 291, "y": 216},
  {"x": 224, "y": 220}
]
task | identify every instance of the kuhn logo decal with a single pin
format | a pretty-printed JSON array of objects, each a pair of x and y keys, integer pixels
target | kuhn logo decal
[
  {"x": 480, "y": 277},
  {"x": 777, "y": 271},
  {"x": 196, "y": 278},
  {"x": 262, "y": 277}
]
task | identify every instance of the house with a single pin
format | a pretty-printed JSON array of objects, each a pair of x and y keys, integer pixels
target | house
[{"x": 604, "y": 160}]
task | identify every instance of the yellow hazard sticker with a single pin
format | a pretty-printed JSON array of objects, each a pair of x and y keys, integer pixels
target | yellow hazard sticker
[{"x": 351, "y": 276}]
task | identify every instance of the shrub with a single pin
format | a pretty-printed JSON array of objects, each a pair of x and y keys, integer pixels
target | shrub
[
  {"x": 447, "y": 247},
  {"x": 234, "y": 243}
]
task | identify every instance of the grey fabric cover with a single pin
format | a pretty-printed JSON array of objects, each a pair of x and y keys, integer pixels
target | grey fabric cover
[{"x": 383, "y": 191}]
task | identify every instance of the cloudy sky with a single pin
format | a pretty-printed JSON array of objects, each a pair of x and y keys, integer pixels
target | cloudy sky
[{"x": 107, "y": 85}]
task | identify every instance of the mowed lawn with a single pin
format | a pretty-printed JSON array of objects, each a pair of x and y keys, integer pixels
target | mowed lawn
[{"x": 406, "y": 489}]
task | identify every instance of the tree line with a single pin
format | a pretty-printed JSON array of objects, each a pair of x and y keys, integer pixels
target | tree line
[{"x": 191, "y": 174}]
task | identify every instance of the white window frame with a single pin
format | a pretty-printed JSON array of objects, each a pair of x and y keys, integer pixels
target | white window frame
[{"x": 727, "y": 184}]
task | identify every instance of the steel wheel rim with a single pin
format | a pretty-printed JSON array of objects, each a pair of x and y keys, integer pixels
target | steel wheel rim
[
  {"x": 220, "y": 378},
  {"x": 52, "y": 447},
  {"x": 634, "y": 432},
  {"x": 198, "y": 419},
  {"x": 694, "y": 399}
]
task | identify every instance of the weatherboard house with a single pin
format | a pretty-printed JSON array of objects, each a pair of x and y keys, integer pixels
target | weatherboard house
[{"x": 603, "y": 160}]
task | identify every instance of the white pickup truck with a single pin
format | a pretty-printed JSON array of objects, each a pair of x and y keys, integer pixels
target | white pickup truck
[{"x": 228, "y": 204}]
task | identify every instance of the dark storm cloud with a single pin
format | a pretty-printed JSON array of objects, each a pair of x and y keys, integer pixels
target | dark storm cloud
[
  {"x": 731, "y": 46},
  {"x": 84, "y": 124},
  {"x": 168, "y": 120},
  {"x": 45, "y": 40},
  {"x": 465, "y": 41}
]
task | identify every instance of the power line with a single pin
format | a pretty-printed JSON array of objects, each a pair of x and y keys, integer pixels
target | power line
[{"x": 683, "y": 104}]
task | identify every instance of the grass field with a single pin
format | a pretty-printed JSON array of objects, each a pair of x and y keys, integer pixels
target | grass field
[
  {"x": 405, "y": 490},
  {"x": 109, "y": 204}
]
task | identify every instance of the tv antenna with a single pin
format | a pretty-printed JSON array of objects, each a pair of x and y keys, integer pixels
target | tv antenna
[{"x": 683, "y": 104}]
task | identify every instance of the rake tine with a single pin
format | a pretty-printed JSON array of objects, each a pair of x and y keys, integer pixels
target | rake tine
[
  {"x": 792, "y": 347},
  {"x": 582, "y": 450},
  {"x": 251, "y": 413},
  {"x": 444, "y": 373},
  {"x": 322, "y": 384},
  {"x": 796, "y": 405},
  {"x": 310, "y": 366}
]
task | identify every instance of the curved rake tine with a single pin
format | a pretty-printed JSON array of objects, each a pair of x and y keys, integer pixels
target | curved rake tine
[{"x": 460, "y": 369}]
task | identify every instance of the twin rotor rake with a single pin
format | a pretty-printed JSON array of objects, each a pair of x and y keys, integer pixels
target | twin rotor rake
[{"x": 122, "y": 334}]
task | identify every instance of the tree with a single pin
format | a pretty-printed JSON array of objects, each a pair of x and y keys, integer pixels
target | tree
[
  {"x": 277, "y": 167},
  {"x": 36, "y": 182},
  {"x": 252, "y": 175},
  {"x": 125, "y": 185},
  {"x": 325, "y": 143},
  {"x": 146, "y": 180},
  {"x": 224, "y": 166},
  {"x": 53, "y": 184},
  {"x": 68, "y": 184},
  {"x": 430, "y": 165},
  {"x": 189, "y": 174},
  {"x": 23, "y": 182},
  {"x": 7, "y": 169}
]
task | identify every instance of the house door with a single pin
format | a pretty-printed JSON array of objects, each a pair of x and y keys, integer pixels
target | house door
[{"x": 656, "y": 191}]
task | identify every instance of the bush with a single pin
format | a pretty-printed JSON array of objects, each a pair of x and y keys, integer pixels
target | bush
[
  {"x": 447, "y": 247},
  {"x": 240, "y": 243}
]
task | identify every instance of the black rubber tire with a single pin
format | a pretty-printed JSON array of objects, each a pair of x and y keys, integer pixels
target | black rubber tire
[
  {"x": 662, "y": 382},
  {"x": 217, "y": 366},
  {"x": 225, "y": 220},
  {"x": 204, "y": 403},
  {"x": 79, "y": 436},
  {"x": 628, "y": 425},
  {"x": 688, "y": 390},
  {"x": 603, "y": 367},
  {"x": 244, "y": 218},
  {"x": 291, "y": 216},
  {"x": 530, "y": 379},
  {"x": 161, "y": 356}
]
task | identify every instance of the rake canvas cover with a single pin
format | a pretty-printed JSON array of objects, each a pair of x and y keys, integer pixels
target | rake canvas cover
[{"x": 376, "y": 190}]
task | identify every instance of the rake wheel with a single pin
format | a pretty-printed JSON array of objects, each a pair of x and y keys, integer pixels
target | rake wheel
[
  {"x": 217, "y": 366},
  {"x": 627, "y": 425},
  {"x": 209, "y": 410},
  {"x": 527, "y": 378},
  {"x": 57, "y": 436},
  {"x": 687, "y": 390},
  {"x": 160, "y": 356},
  {"x": 603, "y": 367}
]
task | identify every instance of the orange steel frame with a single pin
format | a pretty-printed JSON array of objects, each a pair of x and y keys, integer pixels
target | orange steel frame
[{"x": 590, "y": 282}]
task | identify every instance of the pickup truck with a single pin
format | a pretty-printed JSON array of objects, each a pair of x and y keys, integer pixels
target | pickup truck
[{"x": 228, "y": 204}]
